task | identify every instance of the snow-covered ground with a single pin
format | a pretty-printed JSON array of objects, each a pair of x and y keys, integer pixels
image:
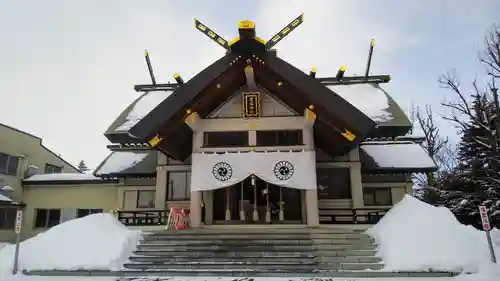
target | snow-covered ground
[
  {"x": 412, "y": 236},
  {"x": 98, "y": 241}
]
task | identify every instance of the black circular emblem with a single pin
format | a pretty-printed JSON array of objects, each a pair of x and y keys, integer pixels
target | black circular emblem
[
  {"x": 283, "y": 170},
  {"x": 222, "y": 171}
]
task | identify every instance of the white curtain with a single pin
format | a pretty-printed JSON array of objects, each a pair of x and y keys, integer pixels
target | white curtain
[{"x": 288, "y": 169}]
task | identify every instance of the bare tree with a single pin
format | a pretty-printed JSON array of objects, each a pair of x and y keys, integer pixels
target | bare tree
[
  {"x": 446, "y": 158},
  {"x": 491, "y": 55},
  {"x": 434, "y": 143}
]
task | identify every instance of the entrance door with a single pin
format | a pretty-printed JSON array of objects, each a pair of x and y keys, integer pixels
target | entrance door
[{"x": 259, "y": 201}]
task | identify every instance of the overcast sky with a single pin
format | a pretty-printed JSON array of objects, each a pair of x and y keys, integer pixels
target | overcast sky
[{"x": 67, "y": 68}]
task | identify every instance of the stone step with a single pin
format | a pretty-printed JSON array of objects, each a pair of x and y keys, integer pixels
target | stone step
[
  {"x": 258, "y": 253},
  {"x": 130, "y": 275},
  {"x": 255, "y": 258},
  {"x": 346, "y": 253},
  {"x": 224, "y": 254},
  {"x": 268, "y": 230},
  {"x": 226, "y": 242},
  {"x": 233, "y": 241},
  {"x": 264, "y": 259},
  {"x": 195, "y": 263},
  {"x": 213, "y": 266},
  {"x": 242, "y": 265},
  {"x": 359, "y": 266},
  {"x": 349, "y": 259},
  {"x": 252, "y": 247},
  {"x": 262, "y": 236}
]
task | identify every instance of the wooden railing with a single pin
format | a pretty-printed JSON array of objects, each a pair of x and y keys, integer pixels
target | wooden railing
[
  {"x": 350, "y": 216},
  {"x": 143, "y": 218}
]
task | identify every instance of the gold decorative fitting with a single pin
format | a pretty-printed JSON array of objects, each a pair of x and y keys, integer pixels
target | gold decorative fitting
[
  {"x": 252, "y": 148},
  {"x": 348, "y": 135},
  {"x": 251, "y": 105},
  {"x": 188, "y": 111},
  {"x": 246, "y": 24},
  {"x": 279, "y": 84},
  {"x": 311, "y": 107},
  {"x": 155, "y": 141},
  {"x": 310, "y": 115}
]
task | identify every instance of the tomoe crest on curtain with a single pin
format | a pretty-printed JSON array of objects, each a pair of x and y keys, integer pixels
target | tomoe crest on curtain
[
  {"x": 283, "y": 170},
  {"x": 222, "y": 171}
]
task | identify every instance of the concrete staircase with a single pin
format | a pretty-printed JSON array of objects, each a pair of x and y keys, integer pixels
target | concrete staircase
[
  {"x": 277, "y": 250},
  {"x": 271, "y": 251}
]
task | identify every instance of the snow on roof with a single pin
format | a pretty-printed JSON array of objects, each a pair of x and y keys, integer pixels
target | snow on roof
[
  {"x": 398, "y": 155},
  {"x": 416, "y": 236},
  {"x": 5, "y": 198},
  {"x": 368, "y": 98},
  {"x": 142, "y": 107},
  {"x": 7, "y": 188},
  {"x": 119, "y": 161},
  {"x": 97, "y": 241},
  {"x": 62, "y": 177}
]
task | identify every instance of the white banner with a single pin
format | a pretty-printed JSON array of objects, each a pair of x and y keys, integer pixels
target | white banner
[{"x": 288, "y": 169}]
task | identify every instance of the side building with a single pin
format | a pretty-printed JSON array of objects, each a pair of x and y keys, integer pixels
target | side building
[{"x": 22, "y": 155}]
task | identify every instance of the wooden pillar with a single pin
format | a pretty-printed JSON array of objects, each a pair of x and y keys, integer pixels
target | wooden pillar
[{"x": 195, "y": 209}]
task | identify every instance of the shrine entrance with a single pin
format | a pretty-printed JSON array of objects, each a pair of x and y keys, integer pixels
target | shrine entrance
[{"x": 255, "y": 201}]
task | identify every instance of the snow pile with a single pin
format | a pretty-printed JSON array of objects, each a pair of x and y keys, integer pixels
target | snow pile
[
  {"x": 416, "y": 236},
  {"x": 386, "y": 154},
  {"x": 119, "y": 161},
  {"x": 142, "y": 107},
  {"x": 368, "y": 98},
  {"x": 97, "y": 241}
]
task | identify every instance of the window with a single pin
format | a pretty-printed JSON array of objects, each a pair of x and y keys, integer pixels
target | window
[
  {"x": 47, "y": 217},
  {"x": 333, "y": 183},
  {"x": 225, "y": 139},
  {"x": 146, "y": 199},
  {"x": 52, "y": 169},
  {"x": 8, "y": 164},
  {"x": 279, "y": 138},
  {"x": 376, "y": 196},
  {"x": 80, "y": 213},
  {"x": 179, "y": 185},
  {"x": 7, "y": 218}
]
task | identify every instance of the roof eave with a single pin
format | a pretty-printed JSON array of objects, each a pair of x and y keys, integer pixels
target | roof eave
[
  {"x": 69, "y": 182},
  {"x": 400, "y": 170}
]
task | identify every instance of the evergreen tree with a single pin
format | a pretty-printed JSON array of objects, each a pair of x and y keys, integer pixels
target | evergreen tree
[
  {"x": 82, "y": 167},
  {"x": 475, "y": 180}
]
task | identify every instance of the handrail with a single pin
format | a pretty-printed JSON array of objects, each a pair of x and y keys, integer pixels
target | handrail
[
  {"x": 143, "y": 217},
  {"x": 356, "y": 216}
]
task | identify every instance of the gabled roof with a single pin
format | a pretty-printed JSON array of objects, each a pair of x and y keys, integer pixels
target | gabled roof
[
  {"x": 214, "y": 85},
  {"x": 207, "y": 90},
  {"x": 41, "y": 144}
]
